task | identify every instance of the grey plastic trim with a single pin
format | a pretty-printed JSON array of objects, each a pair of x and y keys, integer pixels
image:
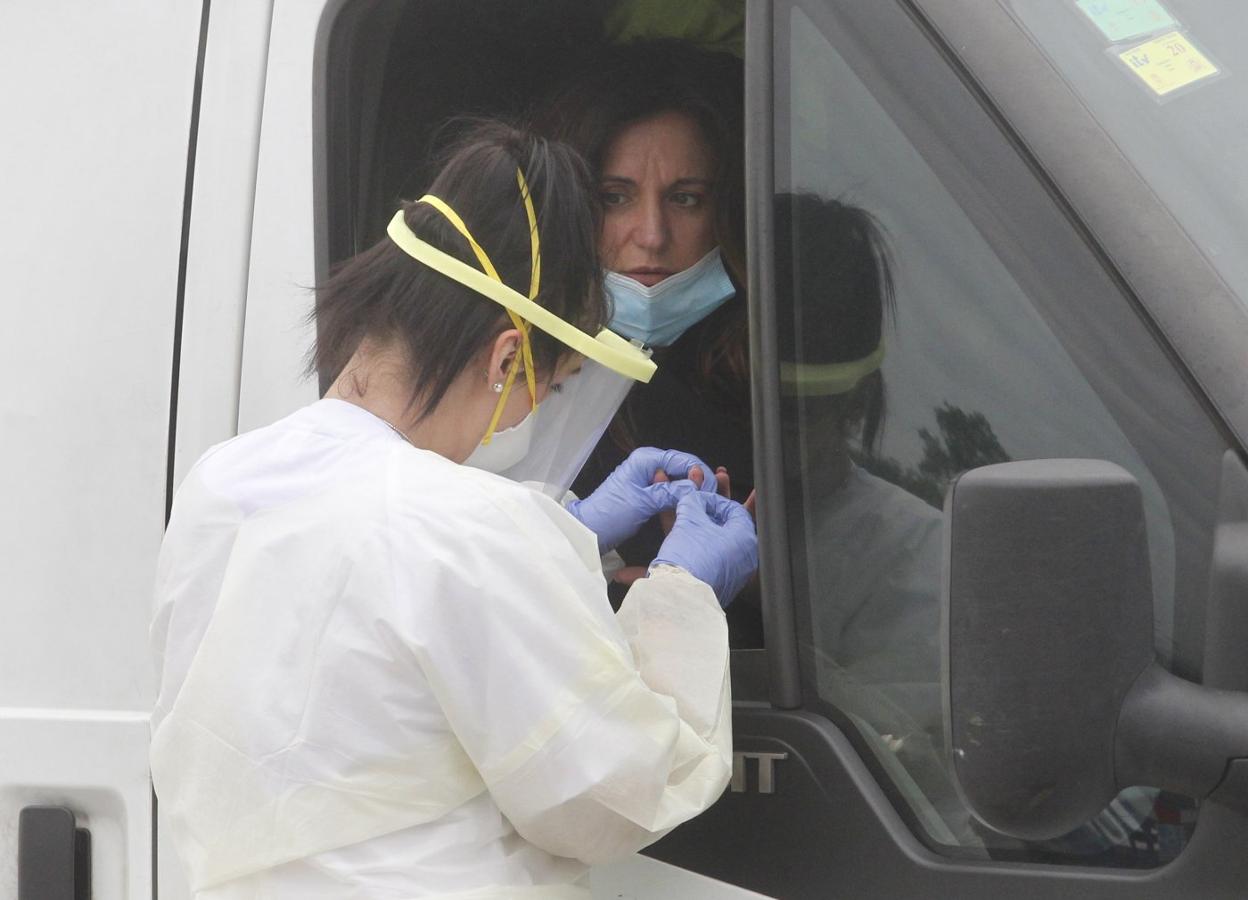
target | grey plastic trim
[
  {"x": 1046, "y": 597},
  {"x": 1226, "y": 620},
  {"x": 748, "y": 668},
  {"x": 780, "y": 633},
  {"x": 829, "y": 830},
  {"x": 1180, "y": 736},
  {"x": 1233, "y": 790},
  {"x": 53, "y": 855}
]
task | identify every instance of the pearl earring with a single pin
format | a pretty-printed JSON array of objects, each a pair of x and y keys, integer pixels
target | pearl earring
[{"x": 497, "y": 387}]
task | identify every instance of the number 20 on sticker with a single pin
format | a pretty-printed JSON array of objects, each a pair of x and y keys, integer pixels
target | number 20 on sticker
[{"x": 1168, "y": 63}]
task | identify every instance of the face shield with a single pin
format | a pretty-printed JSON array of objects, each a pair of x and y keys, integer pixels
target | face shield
[{"x": 567, "y": 425}]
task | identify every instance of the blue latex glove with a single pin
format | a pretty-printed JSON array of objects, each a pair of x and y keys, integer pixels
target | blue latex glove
[
  {"x": 714, "y": 541},
  {"x": 628, "y": 498}
]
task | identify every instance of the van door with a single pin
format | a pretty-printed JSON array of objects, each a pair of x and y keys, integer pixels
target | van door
[
  {"x": 1016, "y": 335},
  {"x": 1031, "y": 264},
  {"x": 287, "y": 87},
  {"x": 97, "y": 108}
]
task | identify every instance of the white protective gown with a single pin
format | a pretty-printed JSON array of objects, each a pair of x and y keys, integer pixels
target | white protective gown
[{"x": 385, "y": 675}]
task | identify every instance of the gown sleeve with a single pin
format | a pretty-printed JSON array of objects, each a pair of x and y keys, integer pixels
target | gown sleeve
[{"x": 594, "y": 734}]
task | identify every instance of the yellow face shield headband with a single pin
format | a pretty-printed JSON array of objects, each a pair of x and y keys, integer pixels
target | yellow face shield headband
[
  {"x": 607, "y": 348},
  {"x": 828, "y": 379}
]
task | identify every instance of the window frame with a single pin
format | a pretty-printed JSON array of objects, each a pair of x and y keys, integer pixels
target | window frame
[{"x": 779, "y": 623}]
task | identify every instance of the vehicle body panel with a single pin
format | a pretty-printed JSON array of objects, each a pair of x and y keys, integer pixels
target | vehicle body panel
[
  {"x": 95, "y": 156},
  {"x": 133, "y": 302}
]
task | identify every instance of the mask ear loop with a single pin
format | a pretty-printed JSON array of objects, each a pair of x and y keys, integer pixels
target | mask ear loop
[
  {"x": 535, "y": 279},
  {"x": 526, "y": 348}
]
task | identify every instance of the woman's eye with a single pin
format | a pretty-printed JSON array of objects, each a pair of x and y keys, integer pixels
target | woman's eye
[
  {"x": 612, "y": 198},
  {"x": 686, "y": 199}
]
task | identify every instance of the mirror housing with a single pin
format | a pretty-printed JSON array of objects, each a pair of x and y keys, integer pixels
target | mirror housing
[
  {"x": 1053, "y": 701},
  {"x": 1046, "y": 623}
]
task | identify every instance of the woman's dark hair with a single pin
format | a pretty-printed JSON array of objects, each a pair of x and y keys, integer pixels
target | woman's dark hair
[
  {"x": 834, "y": 291},
  {"x": 440, "y": 325},
  {"x": 642, "y": 79}
]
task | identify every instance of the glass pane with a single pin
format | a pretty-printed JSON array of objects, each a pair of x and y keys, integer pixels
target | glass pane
[
  {"x": 980, "y": 352},
  {"x": 1157, "y": 76}
]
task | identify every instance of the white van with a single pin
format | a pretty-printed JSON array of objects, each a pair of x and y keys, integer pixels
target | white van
[{"x": 1063, "y": 187}]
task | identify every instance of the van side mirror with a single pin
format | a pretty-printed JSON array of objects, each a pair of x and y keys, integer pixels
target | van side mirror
[{"x": 1053, "y": 700}]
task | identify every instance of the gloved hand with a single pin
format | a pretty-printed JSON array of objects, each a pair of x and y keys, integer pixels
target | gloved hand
[
  {"x": 628, "y": 498},
  {"x": 714, "y": 541}
]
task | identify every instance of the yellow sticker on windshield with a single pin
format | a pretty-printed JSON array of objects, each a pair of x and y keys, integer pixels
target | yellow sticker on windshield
[{"x": 1168, "y": 63}]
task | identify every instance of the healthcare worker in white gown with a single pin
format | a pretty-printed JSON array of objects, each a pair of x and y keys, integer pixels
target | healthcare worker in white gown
[{"x": 388, "y": 675}]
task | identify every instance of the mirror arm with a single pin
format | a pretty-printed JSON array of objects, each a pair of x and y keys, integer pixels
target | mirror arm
[{"x": 1183, "y": 737}]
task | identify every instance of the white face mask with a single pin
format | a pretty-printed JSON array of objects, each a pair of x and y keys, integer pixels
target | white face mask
[{"x": 506, "y": 448}]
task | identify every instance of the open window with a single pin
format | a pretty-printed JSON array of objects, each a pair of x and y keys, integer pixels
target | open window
[
  {"x": 397, "y": 72},
  {"x": 399, "y": 77}
]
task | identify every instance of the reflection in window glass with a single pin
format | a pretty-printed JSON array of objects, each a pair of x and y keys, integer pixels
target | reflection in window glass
[{"x": 911, "y": 350}]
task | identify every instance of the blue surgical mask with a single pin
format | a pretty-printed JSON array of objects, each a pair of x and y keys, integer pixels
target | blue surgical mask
[{"x": 660, "y": 314}]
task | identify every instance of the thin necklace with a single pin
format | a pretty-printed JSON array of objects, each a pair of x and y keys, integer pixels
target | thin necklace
[
  {"x": 399, "y": 433},
  {"x": 386, "y": 421}
]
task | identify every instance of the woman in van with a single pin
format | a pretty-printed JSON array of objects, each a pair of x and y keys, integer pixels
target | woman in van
[{"x": 660, "y": 124}]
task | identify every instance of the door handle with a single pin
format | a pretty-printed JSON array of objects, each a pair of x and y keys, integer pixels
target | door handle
[{"x": 53, "y": 855}]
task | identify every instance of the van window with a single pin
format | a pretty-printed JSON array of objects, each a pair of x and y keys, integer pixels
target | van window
[
  {"x": 399, "y": 77},
  {"x": 1008, "y": 341},
  {"x": 397, "y": 74}
]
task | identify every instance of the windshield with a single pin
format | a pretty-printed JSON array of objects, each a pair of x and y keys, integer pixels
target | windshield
[{"x": 1165, "y": 78}]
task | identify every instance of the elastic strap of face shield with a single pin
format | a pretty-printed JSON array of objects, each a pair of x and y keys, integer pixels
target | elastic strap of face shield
[
  {"x": 487, "y": 266},
  {"x": 606, "y": 348}
]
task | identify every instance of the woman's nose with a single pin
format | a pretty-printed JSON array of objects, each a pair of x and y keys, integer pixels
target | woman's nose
[{"x": 651, "y": 231}]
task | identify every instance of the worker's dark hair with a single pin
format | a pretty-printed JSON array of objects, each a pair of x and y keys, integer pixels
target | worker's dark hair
[
  {"x": 440, "y": 325},
  {"x": 834, "y": 294}
]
